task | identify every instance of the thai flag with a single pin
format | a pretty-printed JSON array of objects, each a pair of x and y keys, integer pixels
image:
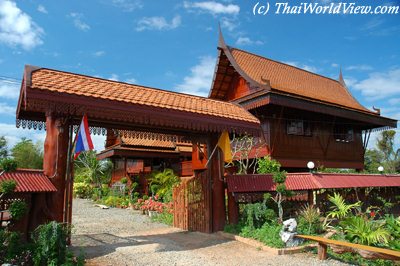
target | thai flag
[{"x": 83, "y": 142}]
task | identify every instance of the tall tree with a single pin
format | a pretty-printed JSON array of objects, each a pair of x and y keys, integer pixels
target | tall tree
[
  {"x": 3, "y": 147},
  {"x": 27, "y": 154},
  {"x": 385, "y": 145}
]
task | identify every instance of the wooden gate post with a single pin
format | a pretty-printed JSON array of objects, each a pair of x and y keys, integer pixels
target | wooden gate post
[
  {"x": 233, "y": 209},
  {"x": 55, "y": 162},
  {"x": 218, "y": 189}
]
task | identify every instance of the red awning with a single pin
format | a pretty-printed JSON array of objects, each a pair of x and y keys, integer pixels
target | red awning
[
  {"x": 310, "y": 181},
  {"x": 29, "y": 180}
]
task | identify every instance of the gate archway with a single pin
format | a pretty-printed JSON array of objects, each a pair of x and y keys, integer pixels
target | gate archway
[{"x": 57, "y": 100}]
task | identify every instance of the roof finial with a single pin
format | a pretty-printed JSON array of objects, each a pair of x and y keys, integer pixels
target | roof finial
[
  {"x": 221, "y": 41},
  {"x": 341, "y": 79}
]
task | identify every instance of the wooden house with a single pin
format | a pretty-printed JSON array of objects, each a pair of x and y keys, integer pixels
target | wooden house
[
  {"x": 137, "y": 155},
  {"x": 304, "y": 116}
]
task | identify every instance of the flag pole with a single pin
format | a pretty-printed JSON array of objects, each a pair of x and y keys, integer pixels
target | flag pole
[{"x": 211, "y": 155}]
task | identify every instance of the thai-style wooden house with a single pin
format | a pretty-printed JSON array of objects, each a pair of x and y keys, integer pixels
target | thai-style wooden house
[
  {"x": 304, "y": 116},
  {"x": 134, "y": 157}
]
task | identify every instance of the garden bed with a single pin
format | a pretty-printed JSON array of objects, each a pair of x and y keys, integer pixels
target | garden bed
[{"x": 259, "y": 245}]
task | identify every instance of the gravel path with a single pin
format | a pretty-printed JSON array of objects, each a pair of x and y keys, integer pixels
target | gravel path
[{"x": 125, "y": 237}]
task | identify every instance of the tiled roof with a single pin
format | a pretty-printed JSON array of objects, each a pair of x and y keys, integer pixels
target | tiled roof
[
  {"x": 310, "y": 181},
  {"x": 29, "y": 180},
  {"x": 289, "y": 79},
  {"x": 74, "y": 84},
  {"x": 147, "y": 142}
]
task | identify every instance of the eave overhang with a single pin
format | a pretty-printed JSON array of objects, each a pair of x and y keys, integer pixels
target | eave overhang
[{"x": 34, "y": 103}]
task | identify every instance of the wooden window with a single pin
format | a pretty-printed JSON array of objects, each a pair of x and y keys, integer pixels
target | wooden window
[
  {"x": 343, "y": 134},
  {"x": 299, "y": 128},
  {"x": 119, "y": 164}
]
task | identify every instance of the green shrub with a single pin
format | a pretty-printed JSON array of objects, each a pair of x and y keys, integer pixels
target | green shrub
[
  {"x": 18, "y": 209},
  {"x": 10, "y": 245},
  {"x": 267, "y": 234},
  {"x": 161, "y": 183},
  {"x": 113, "y": 201},
  {"x": 83, "y": 190},
  {"x": 7, "y": 186},
  {"x": 50, "y": 244},
  {"x": 266, "y": 165},
  {"x": 124, "y": 180},
  {"x": 164, "y": 217},
  {"x": 8, "y": 164}
]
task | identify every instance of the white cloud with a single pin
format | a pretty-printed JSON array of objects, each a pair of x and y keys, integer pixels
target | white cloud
[
  {"x": 131, "y": 80},
  {"x": 380, "y": 85},
  {"x": 114, "y": 77},
  {"x": 247, "y": 41},
  {"x": 99, "y": 53},
  {"x": 302, "y": 66},
  {"x": 14, "y": 134},
  {"x": 229, "y": 24},
  {"x": 213, "y": 7},
  {"x": 158, "y": 23},
  {"x": 198, "y": 82},
  {"x": 334, "y": 65},
  {"x": 6, "y": 109},
  {"x": 360, "y": 68},
  {"x": 9, "y": 89},
  {"x": 127, "y": 5},
  {"x": 17, "y": 28},
  {"x": 42, "y": 9},
  {"x": 98, "y": 142},
  {"x": 77, "y": 18}
]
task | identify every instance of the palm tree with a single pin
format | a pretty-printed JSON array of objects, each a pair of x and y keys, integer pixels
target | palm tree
[
  {"x": 96, "y": 172},
  {"x": 161, "y": 183}
]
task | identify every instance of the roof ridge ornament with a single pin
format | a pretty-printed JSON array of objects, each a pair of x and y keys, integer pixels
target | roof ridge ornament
[
  {"x": 341, "y": 79},
  {"x": 377, "y": 110}
]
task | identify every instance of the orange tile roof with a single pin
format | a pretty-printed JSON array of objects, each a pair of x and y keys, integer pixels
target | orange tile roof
[
  {"x": 148, "y": 142},
  {"x": 290, "y": 79},
  {"x": 75, "y": 84}
]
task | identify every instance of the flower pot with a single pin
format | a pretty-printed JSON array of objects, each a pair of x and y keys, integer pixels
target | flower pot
[{"x": 153, "y": 213}]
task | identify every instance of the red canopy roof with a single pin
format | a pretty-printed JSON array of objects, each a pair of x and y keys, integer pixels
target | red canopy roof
[
  {"x": 310, "y": 181},
  {"x": 29, "y": 180}
]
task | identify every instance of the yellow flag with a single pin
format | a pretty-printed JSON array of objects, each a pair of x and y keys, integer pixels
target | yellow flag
[{"x": 225, "y": 146}]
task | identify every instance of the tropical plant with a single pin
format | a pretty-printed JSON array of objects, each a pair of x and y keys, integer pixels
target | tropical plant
[
  {"x": 360, "y": 230},
  {"x": 6, "y": 187},
  {"x": 309, "y": 220},
  {"x": 242, "y": 146},
  {"x": 340, "y": 209},
  {"x": 161, "y": 183},
  {"x": 392, "y": 224},
  {"x": 95, "y": 172},
  {"x": 83, "y": 190}
]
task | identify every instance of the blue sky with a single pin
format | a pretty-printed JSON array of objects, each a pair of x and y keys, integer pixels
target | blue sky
[{"x": 172, "y": 45}]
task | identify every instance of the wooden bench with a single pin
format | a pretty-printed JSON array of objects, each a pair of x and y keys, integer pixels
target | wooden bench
[{"x": 324, "y": 242}]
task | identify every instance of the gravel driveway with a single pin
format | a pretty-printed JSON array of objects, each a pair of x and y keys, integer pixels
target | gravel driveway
[{"x": 125, "y": 237}]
